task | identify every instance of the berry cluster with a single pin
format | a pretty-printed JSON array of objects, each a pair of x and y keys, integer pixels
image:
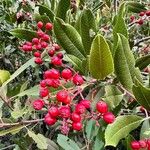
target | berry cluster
[
  {"x": 144, "y": 15},
  {"x": 43, "y": 42},
  {"x": 142, "y": 144}
]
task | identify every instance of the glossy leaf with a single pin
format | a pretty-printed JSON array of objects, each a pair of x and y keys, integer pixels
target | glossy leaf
[
  {"x": 67, "y": 143},
  {"x": 122, "y": 126},
  {"x": 62, "y": 8},
  {"x": 124, "y": 63},
  {"x": 88, "y": 26},
  {"x": 100, "y": 61},
  {"x": 69, "y": 38},
  {"x": 113, "y": 96},
  {"x": 143, "y": 62},
  {"x": 142, "y": 94},
  {"x": 145, "y": 130},
  {"x": 4, "y": 76},
  {"x": 25, "y": 34}
]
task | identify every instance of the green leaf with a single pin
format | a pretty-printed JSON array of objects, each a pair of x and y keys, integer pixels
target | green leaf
[
  {"x": 43, "y": 18},
  {"x": 142, "y": 94},
  {"x": 135, "y": 7},
  {"x": 113, "y": 96},
  {"x": 4, "y": 76},
  {"x": 12, "y": 130},
  {"x": 45, "y": 10},
  {"x": 25, "y": 34},
  {"x": 19, "y": 71},
  {"x": 122, "y": 126},
  {"x": 67, "y": 143},
  {"x": 124, "y": 63},
  {"x": 145, "y": 127},
  {"x": 52, "y": 145},
  {"x": 39, "y": 139},
  {"x": 88, "y": 26},
  {"x": 143, "y": 62},
  {"x": 69, "y": 38},
  {"x": 62, "y": 8},
  {"x": 100, "y": 61}
]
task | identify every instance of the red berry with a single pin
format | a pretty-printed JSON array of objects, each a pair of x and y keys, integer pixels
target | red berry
[
  {"x": 38, "y": 104},
  {"x": 61, "y": 96},
  {"x": 77, "y": 126},
  {"x": 40, "y": 33},
  {"x": 102, "y": 107},
  {"x": 49, "y": 82},
  {"x": 48, "y": 26},
  {"x": 75, "y": 117},
  {"x": 53, "y": 111},
  {"x": 38, "y": 47},
  {"x": 51, "y": 52},
  {"x": 148, "y": 13},
  {"x": 109, "y": 117},
  {"x": 40, "y": 24},
  {"x": 56, "y": 46},
  {"x": 78, "y": 80},
  {"x": 143, "y": 143},
  {"x": 56, "y": 61},
  {"x": 65, "y": 112},
  {"x": 132, "y": 18},
  {"x": 67, "y": 100},
  {"x": 28, "y": 43},
  {"x": 80, "y": 109},
  {"x": 141, "y": 13},
  {"x": 66, "y": 74},
  {"x": 52, "y": 74},
  {"x": 135, "y": 145},
  {"x": 140, "y": 21},
  {"x": 44, "y": 44},
  {"x": 55, "y": 83},
  {"x": 35, "y": 40},
  {"x": 46, "y": 37},
  {"x": 43, "y": 83},
  {"x": 25, "y": 47},
  {"x": 60, "y": 55},
  {"x": 86, "y": 103},
  {"x": 44, "y": 92},
  {"x": 37, "y": 54},
  {"x": 49, "y": 120},
  {"x": 38, "y": 60}
]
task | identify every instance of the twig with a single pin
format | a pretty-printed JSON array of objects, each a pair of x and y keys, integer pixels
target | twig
[{"x": 142, "y": 40}]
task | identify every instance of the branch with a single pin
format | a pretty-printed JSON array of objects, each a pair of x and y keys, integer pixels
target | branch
[{"x": 142, "y": 40}]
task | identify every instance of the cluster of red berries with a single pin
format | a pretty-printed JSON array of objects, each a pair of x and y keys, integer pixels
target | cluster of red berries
[
  {"x": 42, "y": 42},
  {"x": 144, "y": 15},
  {"x": 142, "y": 144}
]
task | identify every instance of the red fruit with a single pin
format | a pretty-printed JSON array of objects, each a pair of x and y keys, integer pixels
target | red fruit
[
  {"x": 56, "y": 61},
  {"x": 49, "y": 120},
  {"x": 53, "y": 111},
  {"x": 29, "y": 48},
  {"x": 25, "y": 47},
  {"x": 52, "y": 74},
  {"x": 61, "y": 96},
  {"x": 55, "y": 83},
  {"x": 40, "y": 24},
  {"x": 86, "y": 103},
  {"x": 60, "y": 55},
  {"x": 49, "y": 82},
  {"x": 37, "y": 54},
  {"x": 141, "y": 13},
  {"x": 44, "y": 44},
  {"x": 78, "y": 80},
  {"x": 51, "y": 52},
  {"x": 38, "y": 47},
  {"x": 38, "y": 104},
  {"x": 102, "y": 107},
  {"x": 48, "y": 26},
  {"x": 35, "y": 40},
  {"x": 40, "y": 33},
  {"x": 80, "y": 109},
  {"x": 66, "y": 74},
  {"x": 56, "y": 46},
  {"x": 148, "y": 13},
  {"x": 28, "y": 43},
  {"x": 143, "y": 144},
  {"x": 140, "y": 21},
  {"x": 65, "y": 112},
  {"x": 75, "y": 117},
  {"x": 44, "y": 92},
  {"x": 132, "y": 18},
  {"x": 77, "y": 126},
  {"x": 46, "y": 37},
  {"x": 38, "y": 60},
  {"x": 67, "y": 100},
  {"x": 43, "y": 83},
  {"x": 109, "y": 117},
  {"x": 135, "y": 145}
]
